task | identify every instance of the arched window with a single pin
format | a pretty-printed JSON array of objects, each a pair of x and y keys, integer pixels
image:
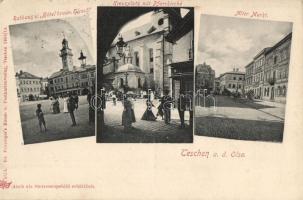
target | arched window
[
  {"x": 284, "y": 91},
  {"x": 139, "y": 82},
  {"x": 279, "y": 91},
  {"x": 121, "y": 82}
]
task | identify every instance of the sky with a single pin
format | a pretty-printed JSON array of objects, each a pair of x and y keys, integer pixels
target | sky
[
  {"x": 36, "y": 45},
  {"x": 227, "y": 42}
]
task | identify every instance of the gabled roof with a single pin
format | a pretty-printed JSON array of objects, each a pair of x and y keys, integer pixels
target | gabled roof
[{"x": 26, "y": 75}]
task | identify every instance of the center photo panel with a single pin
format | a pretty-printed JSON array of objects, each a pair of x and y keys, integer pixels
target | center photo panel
[{"x": 145, "y": 64}]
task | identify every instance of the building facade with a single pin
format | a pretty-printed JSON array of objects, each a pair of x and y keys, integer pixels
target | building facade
[
  {"x": 147, "y": 53},
  {"x": 71, "y": 78},
  {"x": 232, "y": 81},
  {"x": 181, "y": 66},
  {"x": 249, "y": 71},
  {"x": 267, "y": 74},
  {"x": 29, "y": 86}
]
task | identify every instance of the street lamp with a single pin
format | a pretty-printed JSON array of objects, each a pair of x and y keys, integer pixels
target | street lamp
[
  {"x": 126, "y": 82},
  {"x": 120, "y": 45}
]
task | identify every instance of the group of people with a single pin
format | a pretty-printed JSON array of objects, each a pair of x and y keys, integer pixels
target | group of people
[
  {"x": 164, "y": 110},
  {"x": 69, "y": 106}
]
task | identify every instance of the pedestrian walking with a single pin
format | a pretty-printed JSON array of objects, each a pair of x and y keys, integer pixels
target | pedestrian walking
[
  {"x": 40, "y": 117},
  {"x": 148, "y": 114},
  {"x": 128, "y": 115},
  {"x": 166, "y": 101},
  {"x": 91, "y": 111},
  {"x": 71, "y": 104},
  {"x": 65, "y": 109},
  {"x": 181, "y": 107}
]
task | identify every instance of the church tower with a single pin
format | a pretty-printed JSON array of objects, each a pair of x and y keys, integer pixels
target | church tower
[{"x": 66, "y": 55}]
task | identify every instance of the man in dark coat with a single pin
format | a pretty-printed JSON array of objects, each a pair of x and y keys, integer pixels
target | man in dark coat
[
  {"x": 72, "y": 105},
  {"x": 166, "y": 101}
]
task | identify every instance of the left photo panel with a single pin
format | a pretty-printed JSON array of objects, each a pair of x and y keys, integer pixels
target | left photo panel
[{"x": 55, "y": 78}]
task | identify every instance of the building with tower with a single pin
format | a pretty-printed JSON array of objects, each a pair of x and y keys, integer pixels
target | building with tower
[
  {"x": 71, "y": 78},
  {"x": 146, "y": 57}
]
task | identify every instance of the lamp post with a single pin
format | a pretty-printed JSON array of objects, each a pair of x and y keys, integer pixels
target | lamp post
[{"x": 126, "y": 82}]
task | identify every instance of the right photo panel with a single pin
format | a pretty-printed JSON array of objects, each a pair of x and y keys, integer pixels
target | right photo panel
[{"x": 241, "y": 78}]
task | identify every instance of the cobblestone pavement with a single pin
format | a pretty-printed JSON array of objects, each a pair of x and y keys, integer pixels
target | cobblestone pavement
[
  {"x": 241, "y": 119},
  {"x": 113, "y": 117},
  {"x": 58, "y": 125},
  {"x": 146, "y": 131}
]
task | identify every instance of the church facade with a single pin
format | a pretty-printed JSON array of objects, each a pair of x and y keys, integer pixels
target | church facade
[
  {"x": 145, "y": 61},
  {"x": 71, "y": 78}
]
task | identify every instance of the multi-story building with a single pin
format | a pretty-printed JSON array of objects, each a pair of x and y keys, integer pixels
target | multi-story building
[
  {"x": 181, "y": 66},
  {"x": 28, "y": 86},
  {"x": 71, "y": 78},
  {"x": 249, "y": 71},
  {"x": 147, "y": 55},
  {"x": 205, "y": 77},
  {"x": 232, "y": 81},
  {"x": 267, "y": 74},
  {"x": 258, "y": 72},
  {"x": 276, "y": 70}
]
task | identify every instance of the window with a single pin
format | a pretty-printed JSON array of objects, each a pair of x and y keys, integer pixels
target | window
[
  {"x": 234, "y": 86},
  {"x": 136, "y": 58},
  {"x": 234, "y": 78},
  {"x": 160, "y": 21},
  {"x": 121, "y": 82},
  {"x": 229, "y": 85},
  {"x": 275, "y": 59},
  {"x": 139, "y": 82},
  {"x": 240, "y": 78},
  {"x": 83, "y": 76},
  {"x": 151, "y": 55}
]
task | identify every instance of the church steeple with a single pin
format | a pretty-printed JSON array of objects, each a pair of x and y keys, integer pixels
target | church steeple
[{"x": 66, "y": 55}]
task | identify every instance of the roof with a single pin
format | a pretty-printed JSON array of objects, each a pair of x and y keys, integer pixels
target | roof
[
  {"x": 182, "y": 28},
  {"x": 249, "y": 64},
  {"x": 288, "y": 36},
  {"x": 77, "y": 69},
  {"x": 26, "y": 75},
  {"x": 129, "y": 68},
  {"x": 232, "y": 72},
  {"x": 138, "y": 32},
  {"x": 264, "y": 51}
]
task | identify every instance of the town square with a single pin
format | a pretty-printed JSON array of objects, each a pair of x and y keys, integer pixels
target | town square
[{"x": 241, "y": 86}]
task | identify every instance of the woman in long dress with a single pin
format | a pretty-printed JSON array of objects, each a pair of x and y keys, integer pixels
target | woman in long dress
[
  {"x": 128, "y": 115},
  {"x": 148, "y": 114},
  {"x": 65, "y": 109}
]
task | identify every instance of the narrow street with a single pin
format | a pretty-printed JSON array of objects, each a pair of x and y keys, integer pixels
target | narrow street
[{"x": 241, "y": 119}]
